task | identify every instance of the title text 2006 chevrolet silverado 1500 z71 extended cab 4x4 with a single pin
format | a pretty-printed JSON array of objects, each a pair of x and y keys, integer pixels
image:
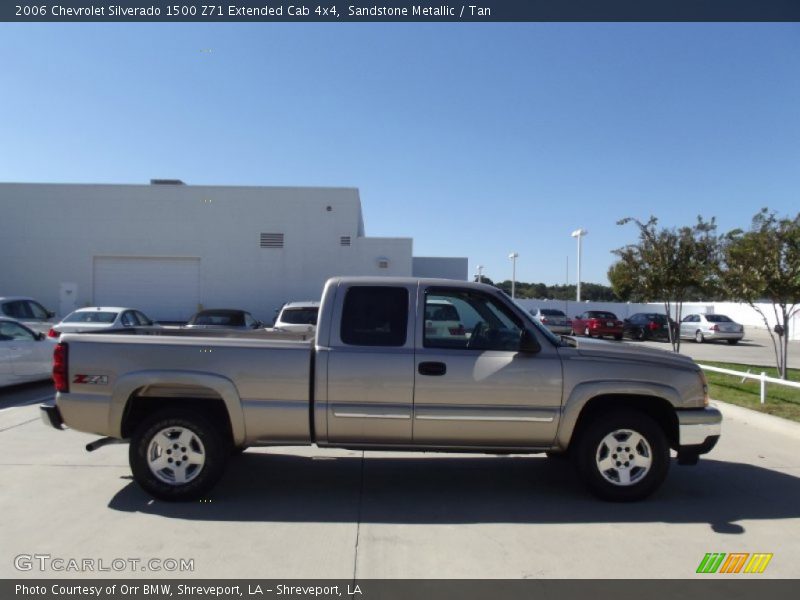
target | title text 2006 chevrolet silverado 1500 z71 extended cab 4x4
[{"x": 376, "y": 377}]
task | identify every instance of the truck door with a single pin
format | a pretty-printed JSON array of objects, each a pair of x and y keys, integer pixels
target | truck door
[
  {"x": 473, "y": 385},
  {"x": 370, "y": 365}
]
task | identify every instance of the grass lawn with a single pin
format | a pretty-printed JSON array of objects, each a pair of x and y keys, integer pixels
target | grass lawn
[{"x": 781, "y": 401}]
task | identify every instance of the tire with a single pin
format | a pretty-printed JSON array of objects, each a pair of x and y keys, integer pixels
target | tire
[
  {"x": 618, "y": 336},
  {"x": 182, "y": 434},
  {"x": 733, "y": 342},
  {"x": 640, "y": 335},
  {"x": 698, "y": 337},
  {"x": 587, "y": 333},
  {"x": 611, "y": 479}
]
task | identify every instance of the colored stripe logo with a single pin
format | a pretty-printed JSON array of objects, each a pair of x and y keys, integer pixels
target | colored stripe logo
[{"x": 733, "y": 563}]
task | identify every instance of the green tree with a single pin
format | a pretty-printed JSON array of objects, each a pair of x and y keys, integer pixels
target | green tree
[
  {"x": 764, "y": 264},
  {"x": 667, "y": 265}
]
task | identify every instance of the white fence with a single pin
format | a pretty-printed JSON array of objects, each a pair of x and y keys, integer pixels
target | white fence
[{"x": 762, "y": 377}]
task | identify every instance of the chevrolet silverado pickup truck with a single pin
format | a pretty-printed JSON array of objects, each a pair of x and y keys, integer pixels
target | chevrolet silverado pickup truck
[{"x": 375, "y": 377}]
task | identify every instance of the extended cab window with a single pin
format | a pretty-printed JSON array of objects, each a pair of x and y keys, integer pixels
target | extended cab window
[
  {"x": 470, "y": 321},
  {"x": 375, "y": 316}
]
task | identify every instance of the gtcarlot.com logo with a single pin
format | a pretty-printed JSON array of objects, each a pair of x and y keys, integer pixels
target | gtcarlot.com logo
[
  {"x": 47, "y": 562},
  {"x": 735, "y": 562}
]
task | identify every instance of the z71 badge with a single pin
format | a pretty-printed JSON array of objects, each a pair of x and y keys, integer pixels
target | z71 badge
[{"x": 91, "y": 379}]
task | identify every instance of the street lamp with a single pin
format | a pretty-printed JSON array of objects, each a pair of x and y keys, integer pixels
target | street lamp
[
  {"x": 513, "y": 256},
  {"x": 479, "y": 273},
  {"x": 579, "y": 233}
]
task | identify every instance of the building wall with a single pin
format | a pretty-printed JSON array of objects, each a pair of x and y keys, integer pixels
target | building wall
[
  {"x": 53, "y": 232},
  {"x": 436, "y": 266}
]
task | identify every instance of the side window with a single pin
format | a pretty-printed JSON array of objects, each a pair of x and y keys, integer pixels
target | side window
[
  {"x": 469, "y": 321},
  {"x": 12, "y": 331},
  {"x": 143, "y": 320},
  {"x": 18, "y": 309},
  {"x": 127, "y": 319},
  {"x": 375, "y": 316},
  {"x": 249, "y": 321},
  {"x": 37, "y": 311}
]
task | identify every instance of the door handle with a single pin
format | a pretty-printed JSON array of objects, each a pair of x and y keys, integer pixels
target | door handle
[{"x": 432, "y": 368}]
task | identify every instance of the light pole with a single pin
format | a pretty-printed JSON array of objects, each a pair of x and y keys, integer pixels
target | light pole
[
  {"x": 479, "y": 273},
  {"x": 579, "y": 233},
  {"x": 513, "y": 256}
]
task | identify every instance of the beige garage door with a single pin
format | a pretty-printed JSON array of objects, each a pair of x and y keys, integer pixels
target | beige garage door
[{"x": 163, "y": 288}]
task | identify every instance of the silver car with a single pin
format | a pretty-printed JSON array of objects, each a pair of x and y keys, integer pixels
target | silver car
[
  {"x": 701, "y": 328},
  {"x": 554, "y": 319}
]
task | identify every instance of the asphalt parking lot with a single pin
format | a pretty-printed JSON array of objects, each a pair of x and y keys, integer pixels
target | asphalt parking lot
[{"x": 313, "y": 513}]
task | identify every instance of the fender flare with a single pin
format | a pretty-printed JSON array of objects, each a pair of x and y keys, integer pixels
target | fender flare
[
  {"x": 583, "y": 393},
  {"x": 224, "y": 387}
]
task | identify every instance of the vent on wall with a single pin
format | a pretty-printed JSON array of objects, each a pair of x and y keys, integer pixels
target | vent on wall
[
  {"x": 344, "y": 240},
  {"x": 383, "y": 262},
  {"x": 272, "y": 240}
]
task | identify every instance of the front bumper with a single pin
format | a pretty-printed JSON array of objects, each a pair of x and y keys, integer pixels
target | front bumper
[
  {"x": 51, "y": 415},
  {"x": 698, "y": 430}
]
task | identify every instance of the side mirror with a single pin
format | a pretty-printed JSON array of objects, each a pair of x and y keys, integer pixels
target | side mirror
[
  {"x": 40, "y": 336},
  {"x": 528, "y": 343},
  {"x": 50, "y": 314}
]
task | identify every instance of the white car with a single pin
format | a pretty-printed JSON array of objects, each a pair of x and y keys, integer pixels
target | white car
[
  {"x": 27, "y": 311},
  {"x": 97, "y": 318},
  {"x": 297, "y": 316},
  {"x": 25, "y": 355},
  {"x": 703, "y": 328},
  {"x": 442, "y": 319}
]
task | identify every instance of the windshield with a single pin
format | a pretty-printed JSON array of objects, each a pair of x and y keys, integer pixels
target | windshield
[
  {"x": 300, "y": 316},
  {"x": 230, "y": 319},
  {"x": 551, "y": 312},
  {"x": 602, "y": 315},
  {"x": 91, "y": 317}
]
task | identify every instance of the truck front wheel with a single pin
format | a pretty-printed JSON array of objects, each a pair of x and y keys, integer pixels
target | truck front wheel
[
  {"x": 177, "y": 455},
  {"x": 623, "y": 457}
]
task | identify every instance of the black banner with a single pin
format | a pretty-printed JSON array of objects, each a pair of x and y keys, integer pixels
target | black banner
[
  {"x": 713, "y": 588},
  {"x": 299, "y": 11}
]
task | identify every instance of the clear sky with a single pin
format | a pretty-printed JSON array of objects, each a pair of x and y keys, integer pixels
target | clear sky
[{"x": 474, "y": 139}]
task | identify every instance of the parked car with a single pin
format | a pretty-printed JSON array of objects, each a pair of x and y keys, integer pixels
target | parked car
[
  {"x": 27, "y": 311},
  {"x": 297, "y": 316},
  {"x": 97, "y": 318},
  {"x": 647, "y": 326},
  {"x": 442, "y": 319},
  {"x": 554, "y": 319},
  {"x": 224, "y": 318},
  {"x": 25, "y": 354},
  {"x": 597, "y": 323},
  {"x": 703, "y": 328}
]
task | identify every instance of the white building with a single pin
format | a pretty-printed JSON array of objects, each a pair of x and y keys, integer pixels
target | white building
[{"x": 170, "y": 249}]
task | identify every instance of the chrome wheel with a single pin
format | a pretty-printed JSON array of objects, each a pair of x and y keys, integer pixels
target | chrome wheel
[
  {"x": 587, "y": 333},
  {"x": 176, "y": 455},
  {"x": 698, "y": 337},
  {"x": 623, "y": 457}
]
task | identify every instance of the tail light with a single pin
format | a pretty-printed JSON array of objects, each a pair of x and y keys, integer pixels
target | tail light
[
  {"x": 715, "y": 328},
  {"x": 544, "y": 319},
  {"x": 653, "y": 326},
  {"x": 61, "y": 368},
  {"x": 458, "y": 330},
  {"x": 53, "y": 333}
]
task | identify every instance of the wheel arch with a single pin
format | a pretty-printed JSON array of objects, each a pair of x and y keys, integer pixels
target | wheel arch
[
  {"x": 586, "y": 404},
  {"x": 138, "y": 395}
]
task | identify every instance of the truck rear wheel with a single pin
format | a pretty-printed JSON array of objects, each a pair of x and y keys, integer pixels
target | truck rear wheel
[
  {"x": 177, "y": 455},
  {"x": 623, "y": 457}
]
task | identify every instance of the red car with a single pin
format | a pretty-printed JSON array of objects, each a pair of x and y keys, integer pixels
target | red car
[{"x": 597, "y": 323}]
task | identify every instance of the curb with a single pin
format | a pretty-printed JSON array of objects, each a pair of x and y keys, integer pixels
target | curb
[{"x": 746, "y": 415}]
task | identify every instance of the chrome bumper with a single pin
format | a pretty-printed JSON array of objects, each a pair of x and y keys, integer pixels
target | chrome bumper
[{"x": 699, "y": 428}]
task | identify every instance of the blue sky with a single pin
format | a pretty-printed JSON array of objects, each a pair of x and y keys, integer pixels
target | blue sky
[{"x": 474, "y": 139}]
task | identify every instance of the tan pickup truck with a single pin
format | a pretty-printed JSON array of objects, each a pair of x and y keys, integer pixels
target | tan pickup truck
[{"x": 380, "y": 375}]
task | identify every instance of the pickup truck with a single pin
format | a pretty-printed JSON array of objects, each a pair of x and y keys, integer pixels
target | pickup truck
[{"x": 374, "y": 377}]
